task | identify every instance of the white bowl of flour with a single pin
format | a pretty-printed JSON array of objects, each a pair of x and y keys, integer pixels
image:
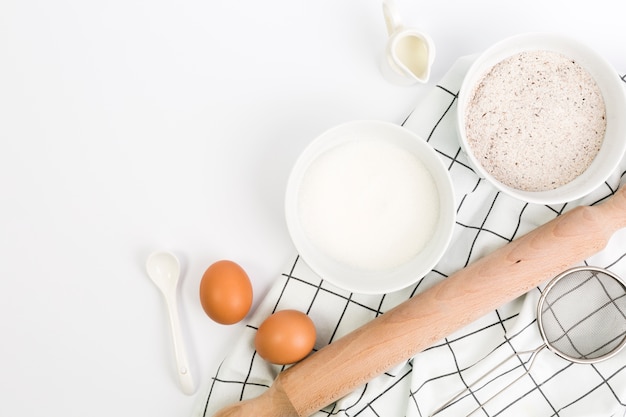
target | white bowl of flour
[
  {"x": 541, "y": 116},
  {"x": 370, "y": 207}
]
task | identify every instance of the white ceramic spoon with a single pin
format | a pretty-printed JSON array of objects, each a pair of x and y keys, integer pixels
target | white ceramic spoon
[{"x": 164, "y": 270}]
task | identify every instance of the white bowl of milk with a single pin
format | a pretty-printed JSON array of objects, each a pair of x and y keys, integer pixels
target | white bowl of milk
[{"x": 370, "y": 207}]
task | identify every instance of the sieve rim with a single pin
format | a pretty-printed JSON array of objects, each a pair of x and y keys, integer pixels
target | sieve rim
[{"x": 541, "y": 302}]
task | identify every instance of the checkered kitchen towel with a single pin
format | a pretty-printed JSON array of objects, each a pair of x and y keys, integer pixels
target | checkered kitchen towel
[{"x": 486, "y": 220}]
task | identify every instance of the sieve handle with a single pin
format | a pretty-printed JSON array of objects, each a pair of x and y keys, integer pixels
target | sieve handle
[
  {"x": 532, "y": 360},
  {"x": 465, "y": 296},
  {"x": 533, "y": 354}
]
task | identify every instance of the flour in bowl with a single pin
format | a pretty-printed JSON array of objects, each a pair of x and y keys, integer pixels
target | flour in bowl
[
  {"x": 536, "y": 120},
  {"x": 369, "y": 204}
]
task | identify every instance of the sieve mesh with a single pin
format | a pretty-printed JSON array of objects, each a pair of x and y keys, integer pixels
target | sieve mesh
[
  {"x": 582, "y": 318},
  {"x": 582, "y": 315}
]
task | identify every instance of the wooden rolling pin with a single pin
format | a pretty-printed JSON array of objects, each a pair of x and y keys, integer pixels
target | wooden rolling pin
[{"x": 505, "y": 274}]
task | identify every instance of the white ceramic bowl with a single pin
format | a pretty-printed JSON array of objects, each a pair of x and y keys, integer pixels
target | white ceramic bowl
[
  {"x": 345, "y": 141},
  {"x": 612, "y": 90}
]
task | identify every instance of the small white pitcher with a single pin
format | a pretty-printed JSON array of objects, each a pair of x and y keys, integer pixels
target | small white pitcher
[{"x": 409, "y": 53}]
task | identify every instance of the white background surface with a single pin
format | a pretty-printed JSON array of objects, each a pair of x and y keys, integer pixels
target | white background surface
[{"x": 130, "y": 126}]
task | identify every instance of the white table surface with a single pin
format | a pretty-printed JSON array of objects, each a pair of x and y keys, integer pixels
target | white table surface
[{"x": 130, "y": 126}]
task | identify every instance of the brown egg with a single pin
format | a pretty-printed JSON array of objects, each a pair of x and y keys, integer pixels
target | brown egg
[
  {"x": 226, "y": 292},
  {"x": 285, "y": 337}
]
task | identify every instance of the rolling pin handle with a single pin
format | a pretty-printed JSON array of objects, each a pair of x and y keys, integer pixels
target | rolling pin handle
[{"x": 272, "y": 403}]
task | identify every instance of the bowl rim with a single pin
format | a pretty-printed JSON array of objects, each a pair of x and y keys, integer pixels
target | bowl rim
[
  {"x": 606, "y": 77},
  {"x": 371, "y": 281}
]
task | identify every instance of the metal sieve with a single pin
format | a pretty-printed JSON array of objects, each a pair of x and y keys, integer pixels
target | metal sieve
[{"x": 581, "y": 316}]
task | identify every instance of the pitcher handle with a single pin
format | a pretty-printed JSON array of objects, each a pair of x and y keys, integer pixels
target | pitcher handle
[{"x": 392, "y": 17}]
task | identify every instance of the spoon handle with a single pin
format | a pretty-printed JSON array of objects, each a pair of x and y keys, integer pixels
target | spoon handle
[{"x": 182, "y": 364}]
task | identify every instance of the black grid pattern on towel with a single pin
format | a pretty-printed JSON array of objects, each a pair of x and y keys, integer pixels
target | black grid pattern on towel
[{"x": 486, "y": 219}]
